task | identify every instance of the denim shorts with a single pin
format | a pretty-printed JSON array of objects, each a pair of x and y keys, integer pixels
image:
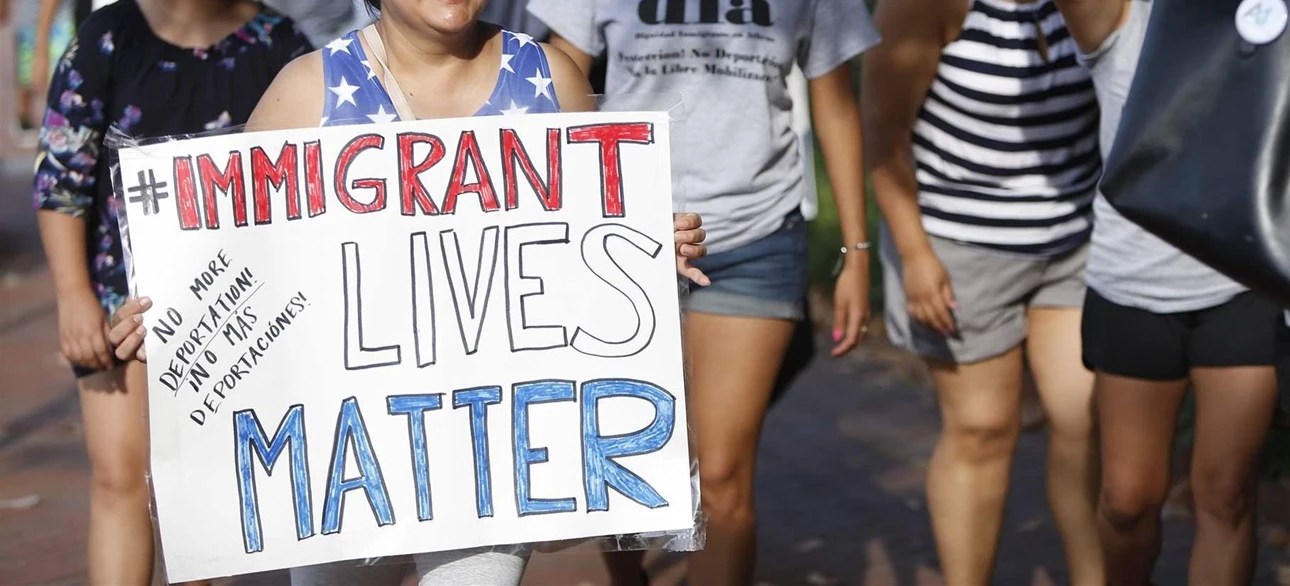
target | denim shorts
[{"x": 765, "y": 278}]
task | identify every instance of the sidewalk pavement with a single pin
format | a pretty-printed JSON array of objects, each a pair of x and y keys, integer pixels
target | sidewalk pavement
[{"x": 839, "y": 482}]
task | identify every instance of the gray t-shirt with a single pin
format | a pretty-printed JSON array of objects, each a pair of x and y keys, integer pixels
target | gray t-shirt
[
  {"x": 1126, "y": 264},
  {"x": 735, "y": 156},
  {"x": 322, "y": 21}
]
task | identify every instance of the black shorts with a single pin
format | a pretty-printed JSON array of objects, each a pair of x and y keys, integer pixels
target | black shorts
[{"x": 1137, "y": 343}]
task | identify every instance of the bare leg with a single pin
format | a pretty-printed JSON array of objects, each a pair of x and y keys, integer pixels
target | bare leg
[
  {"x": 1234, "y": 408},
  {"x": 967, "y": 478},
  {"x": 733, "y": 363},
  {"x": 114, "y": 409},
  {"x": 1137, "y": 419},
  {"x": 1066, "y": 390}
]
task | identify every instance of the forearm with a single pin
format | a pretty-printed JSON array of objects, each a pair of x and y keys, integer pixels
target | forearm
[
  {"x": 63, "y": 237},
  {"x": 44, "y": 28},
  {"x": 896, "y": 193},
  {"x": 837, "y": 127}
]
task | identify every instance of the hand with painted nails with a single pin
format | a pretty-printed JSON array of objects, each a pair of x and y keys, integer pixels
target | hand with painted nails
[
  {"x": 851, "y": 303},
  {"x": 127, "y": 330},
  {"x": 689, "y": 236}
]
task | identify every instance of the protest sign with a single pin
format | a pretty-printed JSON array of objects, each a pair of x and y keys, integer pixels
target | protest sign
[{"x": 400, "y": 338}]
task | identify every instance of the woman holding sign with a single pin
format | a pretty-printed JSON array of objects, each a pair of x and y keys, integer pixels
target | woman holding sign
[
  {"x": 151, "y": 68},
  {"x": 738, "y": 165},
  {"x": 419, "y": 60}
]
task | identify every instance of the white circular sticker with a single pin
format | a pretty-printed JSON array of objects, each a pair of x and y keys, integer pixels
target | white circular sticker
[{"x": 1261, "y": 21}]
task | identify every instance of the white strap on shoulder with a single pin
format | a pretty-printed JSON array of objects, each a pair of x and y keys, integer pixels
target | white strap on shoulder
[{"x": 377, "y": 48}]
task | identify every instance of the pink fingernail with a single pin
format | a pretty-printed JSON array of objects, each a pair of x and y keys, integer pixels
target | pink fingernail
[{"x": 837, "y": 335}]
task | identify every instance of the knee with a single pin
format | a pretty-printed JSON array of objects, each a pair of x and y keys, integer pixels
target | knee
[
  {"x": 980, "y": 442},
  {"x": 726, "y": 488},
  {"x": 118, "y": 478},
  {"x": 1223, "y": 497},
  {"x": 1127, "y": 506}
]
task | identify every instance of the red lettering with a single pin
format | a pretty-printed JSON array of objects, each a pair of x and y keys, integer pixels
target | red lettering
[
  {"x": 468, "y": 153},
  {"x": 513, "y": 152},
  {"x": 281, "y": 174},
  {"x": 226, "y": 181},
  {"x": 609, "y": 137},
  {"x": 187, "y": 194},
  {"x": 412, "y": 192},
  {"x": 347, "y": 156},
  {"x": 314, "y": 179}
]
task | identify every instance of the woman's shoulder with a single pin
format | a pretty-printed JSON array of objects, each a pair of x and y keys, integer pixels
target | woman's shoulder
[
  {"x": 571, "y": 85},
  {"x": 112, "y": 20}
]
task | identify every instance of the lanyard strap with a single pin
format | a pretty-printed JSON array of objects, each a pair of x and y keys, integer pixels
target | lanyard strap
[{"x": 377, "y": 47}]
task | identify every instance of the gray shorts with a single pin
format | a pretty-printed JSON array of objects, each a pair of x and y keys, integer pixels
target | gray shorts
[{"x": 993, "y": 290}]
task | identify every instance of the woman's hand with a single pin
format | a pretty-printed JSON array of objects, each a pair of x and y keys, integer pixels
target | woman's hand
[
  {"x": 689, "y": 236},
  {"x": 851, "y": 303},
  {"x": 928, "y": 293},
  {"x": 128, "y": 331},
  {"x": 82, "y": 330}
]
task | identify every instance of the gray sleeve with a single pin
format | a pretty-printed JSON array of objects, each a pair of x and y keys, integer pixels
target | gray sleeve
[
  {"x": 575, "y": 20},
  {"x": 838, "y": 30}
]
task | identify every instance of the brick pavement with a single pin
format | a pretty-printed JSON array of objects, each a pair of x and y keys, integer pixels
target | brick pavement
[{"x": 839, "y": 477}]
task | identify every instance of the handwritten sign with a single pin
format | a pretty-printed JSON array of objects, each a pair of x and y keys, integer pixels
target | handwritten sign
[{"x": 400, "y": 338}]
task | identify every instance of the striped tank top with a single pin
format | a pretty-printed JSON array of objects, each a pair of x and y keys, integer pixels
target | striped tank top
[
  {"x": 354, "y": 94},
  {"x": 1006, "y": 144}
]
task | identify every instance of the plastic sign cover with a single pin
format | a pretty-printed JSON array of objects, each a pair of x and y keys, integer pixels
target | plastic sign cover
[{"x": 399, "y": 338}]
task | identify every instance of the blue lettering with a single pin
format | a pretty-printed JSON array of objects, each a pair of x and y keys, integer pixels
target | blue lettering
[
  {"x": 250, "y": 438},
  {"x": 479, "y": 399},
  {"x": 351, "y": 429},
  {"x": 415, "y": 407},
  {"x": 600, "y": 472},
  {"x": 526, "y": 394}
]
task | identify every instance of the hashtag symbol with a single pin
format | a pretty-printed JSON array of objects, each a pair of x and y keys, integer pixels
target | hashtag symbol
[{"x": 149, "y": 192}]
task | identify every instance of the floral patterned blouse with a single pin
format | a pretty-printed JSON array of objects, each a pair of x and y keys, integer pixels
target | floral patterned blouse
[{"x": 117, "y": 72}]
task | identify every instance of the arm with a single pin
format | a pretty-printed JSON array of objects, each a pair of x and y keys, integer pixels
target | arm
[
  {"x": 64, "y": 194},
  {"x": 897, "y": 76},
  {"x": 837, "y": 127},
  {"x": 1092, "y": 21},
  {"x": 576, "y": 55},
  {"x": 294, "y": 99},
  {"x": 571, "y": 85},
  {"x": 40, "y": 51}
]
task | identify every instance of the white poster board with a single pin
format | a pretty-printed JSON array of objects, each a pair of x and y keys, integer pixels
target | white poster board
[{"x": 400, "y": 338}]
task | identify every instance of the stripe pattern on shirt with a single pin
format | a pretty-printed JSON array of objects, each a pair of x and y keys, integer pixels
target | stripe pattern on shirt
[{"x": 1006, "y": 145}]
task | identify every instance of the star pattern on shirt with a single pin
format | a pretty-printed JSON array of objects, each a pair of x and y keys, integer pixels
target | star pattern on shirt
[
  {"x": 523, "y": 39},
  {"x": 506, "y": 61},
  {"x": 381, "y": 116},
  {"x": 370, "y": 73},
  {"x": 344, "y": 93},
  {"x": 541, "y": 85},
  {"x": 515, "y": 110},
  {"x": 340, "y": 45}
]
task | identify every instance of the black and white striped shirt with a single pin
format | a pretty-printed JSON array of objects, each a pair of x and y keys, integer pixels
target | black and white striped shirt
[{"x": 1007, "y": 141}]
